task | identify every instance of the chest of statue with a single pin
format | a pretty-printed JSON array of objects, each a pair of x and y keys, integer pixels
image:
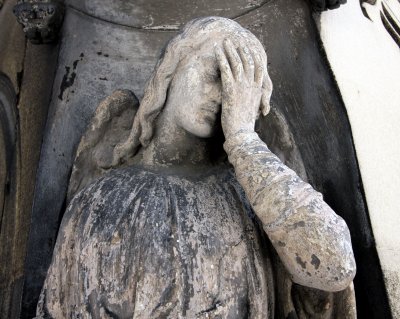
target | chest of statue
[{"x": 143, "y": 245}]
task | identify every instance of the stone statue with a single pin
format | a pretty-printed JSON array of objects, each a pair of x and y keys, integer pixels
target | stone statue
[{"x": 187, "y": 213}]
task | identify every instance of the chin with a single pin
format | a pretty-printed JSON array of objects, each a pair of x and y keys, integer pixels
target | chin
[
  {"x": 205, "y": 131},
  {"x": 207, "y": 134}
]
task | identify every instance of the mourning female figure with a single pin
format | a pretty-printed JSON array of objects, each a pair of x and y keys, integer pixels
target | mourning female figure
[{"x": 175, "y": 221}]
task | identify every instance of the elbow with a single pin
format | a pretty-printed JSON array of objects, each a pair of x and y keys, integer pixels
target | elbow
[
  {"x": 340, "y": 277},
  {"x": 343, "y": 276},
  {"x": 337, "y": 267},
  {"x": 343, "y": 283},
  {"x": 317, "y": 251},
  {"x": 343, "y": 265},
  {"x": 335, "y": 274}
]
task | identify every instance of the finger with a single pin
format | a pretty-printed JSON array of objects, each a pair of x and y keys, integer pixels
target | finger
[
  {"x": 226, "y": 73},
  {"x": 248, "y": 62},
  {"x": 266, "y": 95},
  {"x": 234, "y": 59},
  {"x": 258, "y": 69}
]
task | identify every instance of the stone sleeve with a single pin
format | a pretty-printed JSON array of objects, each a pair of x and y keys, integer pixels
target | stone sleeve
[{"x": 311, "y": 240}]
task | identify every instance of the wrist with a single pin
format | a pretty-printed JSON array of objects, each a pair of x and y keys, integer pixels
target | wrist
[
  {"x": 235, "y": 130},
  {"x": 238, "y": 139}
]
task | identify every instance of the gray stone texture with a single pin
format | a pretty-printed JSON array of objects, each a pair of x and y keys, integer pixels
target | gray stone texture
[
  {"x": 178, "y": 234},
  {"x": 41, "y": 20},
  {"x": 26, "y": 78},
  {"x": 311, "y": 130}
]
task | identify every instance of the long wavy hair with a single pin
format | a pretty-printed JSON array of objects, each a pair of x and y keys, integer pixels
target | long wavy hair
[{"x": 195, "y": 34}]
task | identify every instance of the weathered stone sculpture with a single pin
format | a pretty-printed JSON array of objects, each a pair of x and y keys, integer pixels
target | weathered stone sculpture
[{"x": 159, "y": 224}]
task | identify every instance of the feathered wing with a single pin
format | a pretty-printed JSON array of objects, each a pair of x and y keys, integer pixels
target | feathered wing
[{"x": 111, "y": 124}]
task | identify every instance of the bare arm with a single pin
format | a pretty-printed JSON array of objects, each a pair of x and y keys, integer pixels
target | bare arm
[{"x": 311, "y": 240}]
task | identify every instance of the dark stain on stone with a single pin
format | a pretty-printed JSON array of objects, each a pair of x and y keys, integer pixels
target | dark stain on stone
[
  {"x": 81, "y": 55},
  {"x": 299, "y": 224},
  {"x": 75, "y": 64},
  {"x": 68, "y": 79},
  {"x": 101, "y": 53},
  {"x": 213, "y": 307},
  {"x": 301, "y": 262},
  {"x": 281, "y": 244},
  {"x": 103, "y": 78},
  {"x": 315, "y": 261}
]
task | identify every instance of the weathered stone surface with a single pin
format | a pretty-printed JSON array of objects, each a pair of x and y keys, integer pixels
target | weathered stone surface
[
  {"x": 172, "y": 15},
  {"x": 150, "y": 244},
  {"x": 34, "y": 100},
  {"x": 111, "y": 123},
  {"x": 8, "y": 192},
  {"x": 197, "y": 263},
  {"x": 177, "y": 234},
  {"x": 41, "y": 20},
  {"x": 161, "y": 15},
  {"x": 23, "y": 127},
  {"x": 91, "y": 65},
  {"x": 26, "y": 77},
  {"x": 12, "y": 50},
  {"x": 309, "y": 102},
  {"x": 325, "y": 149}
]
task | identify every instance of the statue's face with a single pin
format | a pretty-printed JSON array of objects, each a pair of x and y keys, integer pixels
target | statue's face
[{"x": 195, "y": 94}]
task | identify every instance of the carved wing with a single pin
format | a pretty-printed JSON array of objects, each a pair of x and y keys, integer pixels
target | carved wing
[{"x": 110, "y": 125}]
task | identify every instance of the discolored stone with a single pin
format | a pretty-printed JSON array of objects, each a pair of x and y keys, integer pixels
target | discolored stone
[{"x": 188, "y": 228}]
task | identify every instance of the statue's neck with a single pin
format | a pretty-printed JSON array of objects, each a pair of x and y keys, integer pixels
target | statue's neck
[{"x": 171, "y": 145}]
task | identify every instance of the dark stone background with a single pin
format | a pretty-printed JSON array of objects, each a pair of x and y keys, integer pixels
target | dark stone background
[{"x": 106, "y": 45}]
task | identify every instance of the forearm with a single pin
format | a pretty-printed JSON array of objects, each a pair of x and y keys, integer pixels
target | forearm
[{"x": 312, "y": 241}]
